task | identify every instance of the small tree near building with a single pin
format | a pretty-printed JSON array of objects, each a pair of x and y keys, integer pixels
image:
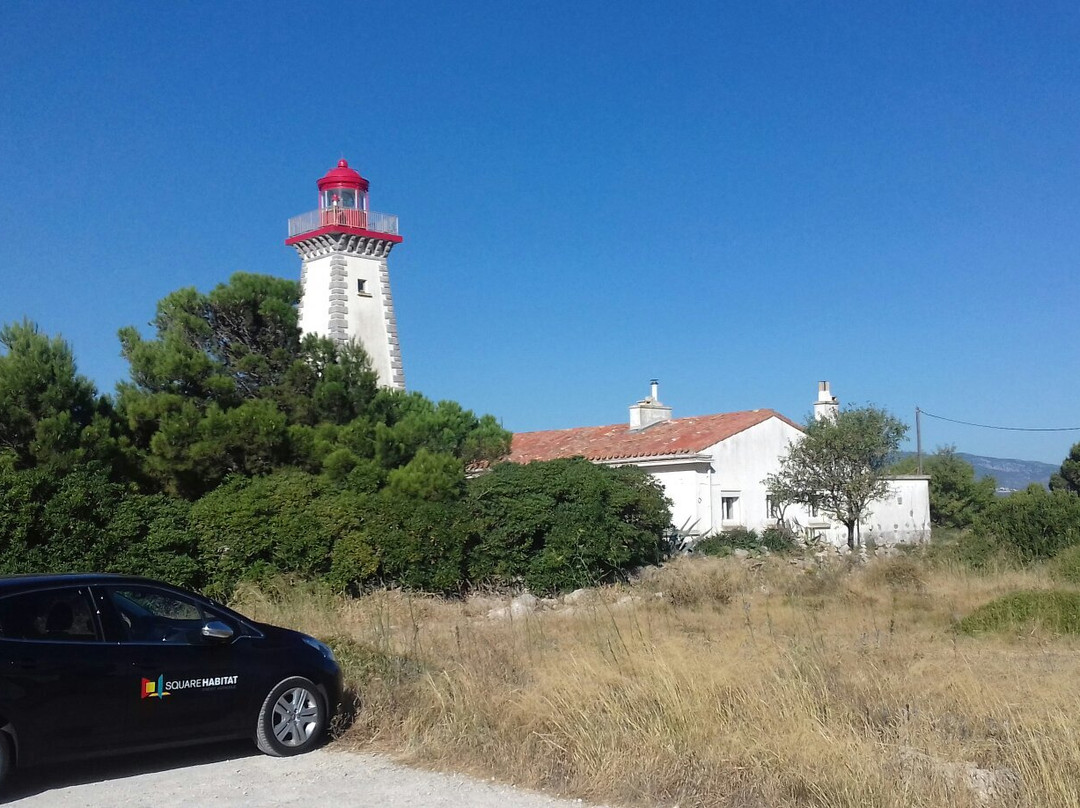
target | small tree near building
[
  {"x": 840, "y": 464},
  {"x": 1068, "y": 478}
]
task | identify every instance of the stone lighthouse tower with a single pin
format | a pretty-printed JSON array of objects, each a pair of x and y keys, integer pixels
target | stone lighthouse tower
[{"x": 344, "y": 281}]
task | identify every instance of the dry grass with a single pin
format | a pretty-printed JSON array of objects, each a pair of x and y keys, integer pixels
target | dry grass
[{"x": 720, "y": 684}]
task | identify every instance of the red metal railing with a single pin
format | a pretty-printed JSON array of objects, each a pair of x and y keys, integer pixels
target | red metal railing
[{"x": 343, "y": 217}]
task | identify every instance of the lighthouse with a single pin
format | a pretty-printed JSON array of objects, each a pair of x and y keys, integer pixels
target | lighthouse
[{"x": 344, "y": 280}]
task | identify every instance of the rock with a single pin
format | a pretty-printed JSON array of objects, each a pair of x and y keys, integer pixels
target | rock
[
  {"x": 741, "y": 553},
  {"x": 502, "y": 613},
  {"x": 988, "y": 786},
  {"x": 991, "y": 784},
  {"x": 549, "y": 603},
  {"x": 578, "y": 596},
  {"x": 523, "y": 605}
]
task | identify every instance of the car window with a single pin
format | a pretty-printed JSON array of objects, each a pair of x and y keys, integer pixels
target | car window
[
  {"x": 155, "y": 615},
  {"x": 62, "y": 615}
]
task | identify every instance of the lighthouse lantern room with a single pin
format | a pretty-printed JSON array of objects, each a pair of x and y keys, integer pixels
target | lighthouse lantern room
[{"x": 344, "y": 279}]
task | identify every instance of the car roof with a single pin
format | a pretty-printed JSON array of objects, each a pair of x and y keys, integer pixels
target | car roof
[{"x": 16, "y": 583}]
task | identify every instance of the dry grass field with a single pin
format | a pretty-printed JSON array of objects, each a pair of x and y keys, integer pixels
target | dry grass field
[{"x": 720, "y": 683}]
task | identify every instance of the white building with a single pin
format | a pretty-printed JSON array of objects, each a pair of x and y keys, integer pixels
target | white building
[
  {"x": 344, "y": 279},
  {"x": 712, "y": 467}
]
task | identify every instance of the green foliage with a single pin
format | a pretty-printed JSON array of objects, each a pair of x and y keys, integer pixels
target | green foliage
[
  {"x": 1034, "y": 524},
  {"x": 1068, "y": 477},
  {"x": 81, "y": 521},
  {"x": 840, "y": 464},
  {"x": 957, "y": 499},
  {"x": 721, "y": 544},
  {"x": 49, "y": 414},
  {"x": 234, "y": 344},
  {"x": 152, "y": 537},
  {"x": 775, "y": 539},
  {"x": 408, "y": 422},
  {"x": 228, "y": 387},
  {"x": 1065, "y": 566},
  {"x": 564, "y": 524},
  {"x": 421, "y": 544},
  {"x": 779, "y": 539},
  {"x": 249, "y": 529},
  {"x": 430, "y": 476},
  {"x": 1049, "y": 610}
]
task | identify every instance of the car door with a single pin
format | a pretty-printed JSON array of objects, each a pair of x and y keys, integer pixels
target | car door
[
  {"x": 185, "y": 686},
  {"x": 59, "y": 681}
]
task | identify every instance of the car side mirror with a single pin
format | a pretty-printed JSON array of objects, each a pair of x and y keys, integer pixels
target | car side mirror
[{"x": 216, "y": 630}]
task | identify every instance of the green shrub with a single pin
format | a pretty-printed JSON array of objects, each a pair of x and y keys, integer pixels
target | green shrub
[
  {"x": 1065, "y": 566},
  {"x": 1050, "y": 610},
  {"x": 736, "y": 538},
  {"x": 1035, "y": 524},
  {"x": 780, "y": 539},
  {"x": 564, "y": 524},
  {"x": 419, "y": 544},
  {"x": 251, "y": 529}
]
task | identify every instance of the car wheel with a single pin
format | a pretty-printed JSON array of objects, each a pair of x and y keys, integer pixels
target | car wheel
[{"x": 292, "y": 719}]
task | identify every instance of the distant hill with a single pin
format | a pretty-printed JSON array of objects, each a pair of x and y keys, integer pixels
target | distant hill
[
  {"x": 1015, "y": 475},
  {"x": 1011, "y": 475}
]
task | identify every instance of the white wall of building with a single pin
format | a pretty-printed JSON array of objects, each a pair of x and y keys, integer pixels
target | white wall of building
[
  {"x": 346, "y": 295},
  {"x": 734, "y": 470}
]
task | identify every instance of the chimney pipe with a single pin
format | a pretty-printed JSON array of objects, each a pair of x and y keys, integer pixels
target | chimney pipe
[
  {"x": 649, "y": 410},
  {"x": 827, "y": 405}
]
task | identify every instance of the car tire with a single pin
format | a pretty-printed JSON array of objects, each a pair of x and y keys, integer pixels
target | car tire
[{"x": 292, "y": 719}]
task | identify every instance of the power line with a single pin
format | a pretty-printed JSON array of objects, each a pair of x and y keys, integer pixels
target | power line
[{"x": 1002, "y": 428}]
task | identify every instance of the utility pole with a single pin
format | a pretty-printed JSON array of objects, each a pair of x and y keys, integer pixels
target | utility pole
[{"x": 918, "y": 436}]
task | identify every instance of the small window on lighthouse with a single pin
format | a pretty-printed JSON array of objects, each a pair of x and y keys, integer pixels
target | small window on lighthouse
[{"x": 360, "y": 290}]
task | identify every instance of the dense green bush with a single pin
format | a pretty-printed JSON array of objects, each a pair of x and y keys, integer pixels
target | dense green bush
[
  {"x": 1049, "y": 610},
  {"x": 260, "y": 527},
  {"x": 780, "y": 539},
  {"x": 720, "y": 544},
  {"x": 1033, "y": 524},
  {"x": 420, "y": 544},
  {"x": 775, "y": 539},
  {"x": 564, "y": 524}
]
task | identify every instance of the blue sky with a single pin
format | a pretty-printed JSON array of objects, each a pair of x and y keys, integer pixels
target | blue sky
[{"x": 739, "y": 199}]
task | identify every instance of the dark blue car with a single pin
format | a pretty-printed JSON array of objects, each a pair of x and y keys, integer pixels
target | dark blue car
[{"x": 101, "y": 664}]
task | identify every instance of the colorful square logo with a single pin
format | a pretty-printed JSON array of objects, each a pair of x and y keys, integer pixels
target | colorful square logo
[{"x": 153, "y": 689}]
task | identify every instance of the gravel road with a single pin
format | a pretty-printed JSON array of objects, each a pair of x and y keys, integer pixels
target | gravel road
[{"x": 232, "y": 775}]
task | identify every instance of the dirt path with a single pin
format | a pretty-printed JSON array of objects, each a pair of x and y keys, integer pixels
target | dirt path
[{"x": 231, "y": 776}]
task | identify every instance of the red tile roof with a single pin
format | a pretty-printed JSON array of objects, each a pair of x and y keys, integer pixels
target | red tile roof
[{"x": 677, "y": 436}]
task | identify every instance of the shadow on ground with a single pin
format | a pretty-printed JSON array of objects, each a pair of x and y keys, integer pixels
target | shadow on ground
[{"x": 42, "y": 779}]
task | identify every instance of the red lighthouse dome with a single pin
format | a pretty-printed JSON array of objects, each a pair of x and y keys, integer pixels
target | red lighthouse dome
[
  {"x": 343, "y": 177},
  {"x": 343, "y": 187},
  {"x": 343, "y": 208}
]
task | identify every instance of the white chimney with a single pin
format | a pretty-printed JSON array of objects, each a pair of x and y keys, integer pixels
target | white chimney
[
  {"x": 649, "y": 410},
  {"x": 827, "y": 405}
]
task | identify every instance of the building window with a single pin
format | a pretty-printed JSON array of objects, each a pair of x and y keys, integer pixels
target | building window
[
  {"x": 361, "y": 288},
  {"x": 728, "y": 508}
]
